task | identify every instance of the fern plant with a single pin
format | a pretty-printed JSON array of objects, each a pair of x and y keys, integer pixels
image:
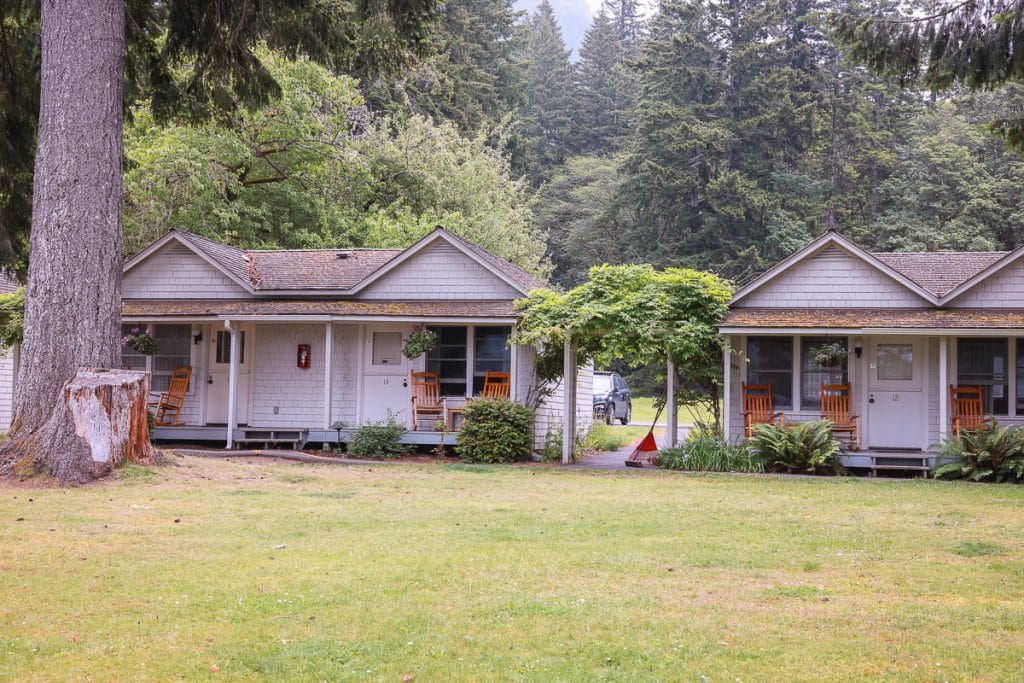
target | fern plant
[
  {"x": 803, "y": 447},
  {"x": 995, "y": 454}
]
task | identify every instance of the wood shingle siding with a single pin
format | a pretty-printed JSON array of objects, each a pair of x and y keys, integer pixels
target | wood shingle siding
[
  {"x": 177, "y": 273},
  {"x": 1004, "y": 289},
  {"x": 441, "y": 272},
  {"x": 297, "y": 393},
  {"x": 832, "y": 278}
]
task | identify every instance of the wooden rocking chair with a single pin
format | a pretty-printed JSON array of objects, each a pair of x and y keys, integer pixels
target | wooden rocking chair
[
  {"x": 427, "y": 401},
  {"x": 757, "y": 407},
  {"x": 968, "y": 409},
  {"x": 496, "y": 385},
  {"x": 837, "y": 408},
  {"x": 168, "y": 407}
]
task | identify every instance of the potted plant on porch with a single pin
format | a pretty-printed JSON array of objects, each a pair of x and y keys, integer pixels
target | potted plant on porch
[
  {"x": 420, "y": 341},
  {"x": 829, "y": 355}
]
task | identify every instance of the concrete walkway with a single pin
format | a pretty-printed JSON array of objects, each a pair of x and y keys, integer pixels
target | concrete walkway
[{"x": 616, "y": 460}]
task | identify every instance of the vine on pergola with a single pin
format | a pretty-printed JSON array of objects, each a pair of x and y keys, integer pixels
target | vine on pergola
[{"x": 636, "y": 314}]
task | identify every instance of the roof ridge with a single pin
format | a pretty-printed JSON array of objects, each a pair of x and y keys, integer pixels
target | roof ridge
[{"x": 321, "y": 250}]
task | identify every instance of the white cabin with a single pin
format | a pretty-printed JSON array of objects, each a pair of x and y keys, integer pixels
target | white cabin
[
  {"x": 352, "y": 309},
  {"x": 915, "y": 324}
]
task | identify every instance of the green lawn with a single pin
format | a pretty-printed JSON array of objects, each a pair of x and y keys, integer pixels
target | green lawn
[
  {"x": 644, "y": 411},
  {"x": 283, "y": 571}
]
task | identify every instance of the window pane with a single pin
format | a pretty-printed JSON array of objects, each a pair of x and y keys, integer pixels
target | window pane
[
  {"x": 895, "y": 362},
  {"x": 174, "y": 350},
  {"x": 490, "y": 352},
  {"x": 448, "y": 359},
  {"x": 1020, "y": 376},
  {"x": 771, "y": 361},
  {"x": 387, "y": 348},
  {"x": 982, "y": 362},
  {"x": 130, "y": 358},
  {"x": 813, "y": 375}
]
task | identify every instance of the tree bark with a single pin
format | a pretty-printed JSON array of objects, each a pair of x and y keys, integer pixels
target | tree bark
[{"x": 73, "y": 295}]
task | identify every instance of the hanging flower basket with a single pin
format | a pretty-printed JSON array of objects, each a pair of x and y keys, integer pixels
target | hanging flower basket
[
  {"x": 829, "y": 355},
  {"x": 141, "y": 341},
  {"x": 420, "y": 341}
]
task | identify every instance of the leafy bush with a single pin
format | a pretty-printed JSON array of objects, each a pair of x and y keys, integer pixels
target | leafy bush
[
  {"x": 802, "y": 447},
  {"x": 379, "y": 439},
  {"x": 995, "y": 454},
  {"x": 495, "y": 430},
  {"x": 708, "y": 452},
  {"x": 552, "y": 450}
]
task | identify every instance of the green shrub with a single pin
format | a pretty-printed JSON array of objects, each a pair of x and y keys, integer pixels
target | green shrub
[
  {"x": 552, "y": 450},
  {"x": 802, "y": 447},
  {"x": 995, "y": 454},
  {"x": 381, "y": 439},
  {"x": 707, "y": 452},
  {"x": 495, "y": 430}
]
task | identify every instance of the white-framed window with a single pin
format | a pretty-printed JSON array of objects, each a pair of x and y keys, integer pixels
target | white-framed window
[
  {"x": 130, "y": 358},
  {"x": 985, "y": 363},
  {"x": 464, "y": 354},
  {"x": 813, "y": 375},
  {"x": 174, "y": 350},
  {"x": 770, "y": 361},
  {"x": 448, "y": 359},
  {"x": 490, "y": 352}
]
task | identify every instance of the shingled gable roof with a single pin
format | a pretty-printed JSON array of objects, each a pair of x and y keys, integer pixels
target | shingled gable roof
[
  {"x": 832, "y": 238},
  {"x": 288, "y": 271},
  {"x": 513, "y": 275}
]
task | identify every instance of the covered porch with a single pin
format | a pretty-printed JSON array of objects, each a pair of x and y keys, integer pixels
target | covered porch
[
  {"x": 900, "y": 375},
  {"x": 298, "y": 379}
]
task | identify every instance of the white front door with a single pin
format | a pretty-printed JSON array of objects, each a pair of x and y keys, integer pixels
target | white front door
[
  {"x": 385, "y": 375},
  {"x": 896, "y": 398},
  {"x": 219, "y": 367}
]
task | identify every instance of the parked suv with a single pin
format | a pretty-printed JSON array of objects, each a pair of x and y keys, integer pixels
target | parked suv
[{"x": 612, "y": 400}]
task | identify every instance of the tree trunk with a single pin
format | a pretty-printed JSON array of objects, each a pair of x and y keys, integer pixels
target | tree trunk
[{"x": 73, "y": 295}]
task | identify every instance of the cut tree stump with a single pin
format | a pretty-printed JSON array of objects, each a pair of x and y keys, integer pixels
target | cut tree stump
[
  {"x": 99, "y": 422},
  {"x": 108, "y": 410}
]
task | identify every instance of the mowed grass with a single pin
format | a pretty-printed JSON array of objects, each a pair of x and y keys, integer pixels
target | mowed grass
[
  {"x": 258, "y": 570},
  {"x": 644, "y": 412}
]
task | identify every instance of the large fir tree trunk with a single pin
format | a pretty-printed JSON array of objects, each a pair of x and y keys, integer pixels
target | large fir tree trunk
[{"x": 73, "y": 295}]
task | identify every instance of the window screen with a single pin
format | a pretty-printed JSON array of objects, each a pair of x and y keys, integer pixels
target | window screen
[
  {"x": 983, "y": 362},
  {"x": 448, "y": 359},
  {"x": 771, "y": 361},
  {"x": 490, "y": 352},
  {"x": 813, "y": 375},
  {"x": 130, "y": 358},
  {"x": 174, "y": 350}
]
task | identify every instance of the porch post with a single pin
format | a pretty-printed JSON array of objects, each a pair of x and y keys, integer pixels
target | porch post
[
  {"x": 671, "y": 417},
  {"x": 232, "y": 384},
  {"x": 568, "y": 401},
  {"x": 943, "y": 387},
  {"x": 726, "y": 390},
  {"x": 513, "y": 368},
  {"x": 328, "y": 363}
]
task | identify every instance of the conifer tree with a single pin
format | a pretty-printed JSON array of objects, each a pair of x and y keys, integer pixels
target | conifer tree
[
  {"x": 550, "y": 94},
  {"x": 604, "y": 88}
]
